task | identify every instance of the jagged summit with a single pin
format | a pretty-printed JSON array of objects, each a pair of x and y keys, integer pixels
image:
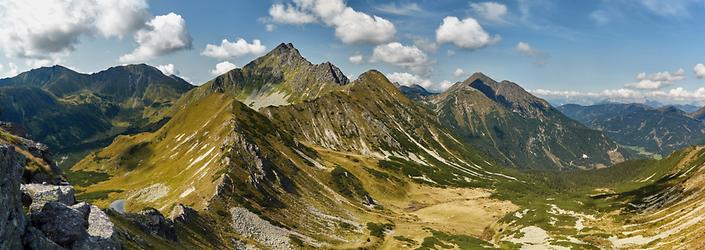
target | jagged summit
[
  {"x": 279, "y": 77},
  {"x": 480, "y": 77}
]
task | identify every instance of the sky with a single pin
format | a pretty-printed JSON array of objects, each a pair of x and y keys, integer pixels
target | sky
[{"x": 564, "y": 51}]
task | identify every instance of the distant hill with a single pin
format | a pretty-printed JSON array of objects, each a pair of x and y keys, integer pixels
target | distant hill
[
  {"x": 661, "y": 131},
  {"x": 521, "y": 129},
  {"x": 74, "y": 112},
  {"x": 698, "y": 114}
]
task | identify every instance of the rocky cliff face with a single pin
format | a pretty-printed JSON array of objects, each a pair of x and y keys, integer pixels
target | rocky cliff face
[{"x": 12, "y": 220}]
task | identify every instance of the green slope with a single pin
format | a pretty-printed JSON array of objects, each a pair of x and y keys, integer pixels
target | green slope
[
  {"x": 74, "y": 113},
  {"x": 519, "y": 129}
]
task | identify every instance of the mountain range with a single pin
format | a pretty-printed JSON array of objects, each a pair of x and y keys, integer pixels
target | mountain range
[
  {"x": 656, "y": 131},
  {"x": 286, "y": 154},
  {"x": 74, "y": 113}
]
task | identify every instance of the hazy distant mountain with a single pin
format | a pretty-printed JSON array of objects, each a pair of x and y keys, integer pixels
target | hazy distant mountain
[
  {"x": 660, "y": 131},
  {"x": 698, "y": 114}
]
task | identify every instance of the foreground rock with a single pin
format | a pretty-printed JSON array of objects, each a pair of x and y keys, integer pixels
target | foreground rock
[
  {"x": 60, "y": 223},
  {"x": 12, "y": 221},
  {"x": 40, "y": 194}
]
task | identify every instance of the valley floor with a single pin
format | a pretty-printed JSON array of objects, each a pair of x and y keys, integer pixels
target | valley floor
[{"x": 621, "y": 214}]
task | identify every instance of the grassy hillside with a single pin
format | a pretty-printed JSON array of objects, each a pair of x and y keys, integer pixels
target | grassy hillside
[
  {"x": 75, "y": 113},
  {"x": 519, "y": 129}
]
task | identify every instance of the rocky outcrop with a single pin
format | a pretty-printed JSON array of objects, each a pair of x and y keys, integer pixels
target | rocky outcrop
[
  {"x": 252, "y": 226},
  {"x": 153, "y": 222},
  {"x": 182, "y": 213},
  {"x": 12, "y": 218},
  {"x": 35, "y": 239},
  {"x": 62, "y": 224},
  {"x": 40, "y": 194},
  {"x": 38, "y": 167},
  {"x": 101, "y": 232}
]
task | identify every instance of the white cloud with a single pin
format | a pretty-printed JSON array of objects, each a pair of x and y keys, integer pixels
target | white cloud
[
  {"x": 490, "y": 11},
  {"x": 168, "y": 69},
  {"x": 674, "y": 95},
  {"x": 161, "y": 35},
  {"x": 426, "y": 45},
  {"x": 229, "y": 49},
  {"x": 356, "y": 59},
  {"x": 222, "y": 68},
  {"x": 290, "y": 14},
  {"x": 674, "y": 8},
  {"x": 699, "y": 70},
  {"x": 600, "y": 17},
  {"x": 11, "y": 70},
  {"x": 350, "y": 26},
  {"x": 657, "y": 80},
  {"x": 459, "y": 72},
  {"x": 409, "y": 57},
  {"x": 408, "y": 79},
  {"x": 47, "y": 30},
  {"x": 269, "y": 27},
  {"x": 467, "y": 34},
  {"x": 401, "y": 9},
  {"x": 526, "y": 49}
]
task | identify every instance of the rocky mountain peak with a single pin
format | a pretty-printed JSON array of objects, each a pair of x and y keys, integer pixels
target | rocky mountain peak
[
  {"x": 480, "y": 78},
  {"x": 284, "y": 56},
  {"x": 508, "y": 94},
  {"x": 336, "y": 73}
]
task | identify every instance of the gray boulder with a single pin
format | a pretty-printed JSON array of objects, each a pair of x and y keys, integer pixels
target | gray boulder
[
  {"x": 36, "y": 240},
  {"x": 12, "y": 220},
  {"x": 40, "y": 194},
  {"x": 101, "y": 232},
  {"x": 62, "y": 224}
]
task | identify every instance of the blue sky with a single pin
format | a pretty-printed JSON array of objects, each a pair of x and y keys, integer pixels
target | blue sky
[{"x": 582, "y": 51}]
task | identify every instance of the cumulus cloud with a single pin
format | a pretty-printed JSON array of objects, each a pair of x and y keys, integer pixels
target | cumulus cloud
[
  {"x": 426, "y": 45},
  {"x": 161, "y": 35},
  {"x": 526, "y": 49},
  {"x": 222, "y": 68},
  {"x": 228, "y": 49},
  {"x": 290, "y": 14},
  {"x": 459, "y": 72},
  {"x": 401, "y": 9},
  {"x": 408, "y": 79},
  {"x": 168, "y": 69},
  {"x": 350, "y": 26},
  {"x": 356, "y": 59},
  {"x": 657, "y": 80},
  {"x": 674, "y": 95},
  {"x": 43, "y": 31},
  {"x": 10, "y": 71},
  {"x": 699, "y": 70},
  {"x": 490, "y": 11},
  {"x": 466, "y": 33},
  {"x": 409, "y": 57}
]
